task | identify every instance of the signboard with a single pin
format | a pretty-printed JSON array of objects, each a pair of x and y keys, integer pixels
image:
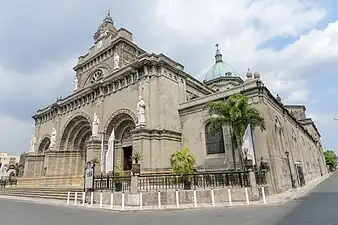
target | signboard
[{"x": 89, "y": 177}]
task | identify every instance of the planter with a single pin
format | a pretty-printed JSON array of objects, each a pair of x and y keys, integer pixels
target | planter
[
  {"x": 118, "y": 186},
  {"x": 136, "y": 168}
]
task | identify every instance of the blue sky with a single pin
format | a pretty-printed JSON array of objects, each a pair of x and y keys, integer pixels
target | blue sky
[{"x": 292, "y": 43}]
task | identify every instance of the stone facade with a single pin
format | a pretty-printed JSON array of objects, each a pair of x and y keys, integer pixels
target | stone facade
[{"x": 112, "y": 76}]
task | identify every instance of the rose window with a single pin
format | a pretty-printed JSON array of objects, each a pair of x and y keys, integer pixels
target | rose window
[{"x": 96, "y": 76}]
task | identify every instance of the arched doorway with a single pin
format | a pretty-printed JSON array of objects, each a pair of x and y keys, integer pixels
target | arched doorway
[
  {"x": 123, "y": 124},
  {"x": 73, "y": 142},
  {"x": 44, "y": 145}
]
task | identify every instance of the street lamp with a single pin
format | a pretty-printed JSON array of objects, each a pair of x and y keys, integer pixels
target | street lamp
[{"x": 291, "y": 177}]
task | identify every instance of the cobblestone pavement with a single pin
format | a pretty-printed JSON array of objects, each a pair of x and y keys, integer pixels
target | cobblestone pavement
[{"x": 316, "y": 208}]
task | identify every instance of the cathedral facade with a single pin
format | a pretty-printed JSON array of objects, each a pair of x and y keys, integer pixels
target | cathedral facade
[{"x": 154, "y": 107}]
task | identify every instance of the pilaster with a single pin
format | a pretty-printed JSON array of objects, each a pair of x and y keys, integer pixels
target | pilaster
[
  {"x": 156, "y": 147},
  {"x": 93, "y": 150}
]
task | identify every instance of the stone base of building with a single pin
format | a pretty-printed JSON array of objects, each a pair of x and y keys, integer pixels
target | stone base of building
[{"x": 52, "y": 182}]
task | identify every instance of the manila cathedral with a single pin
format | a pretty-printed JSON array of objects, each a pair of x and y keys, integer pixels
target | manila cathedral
[{"x": 155, "y": 108}]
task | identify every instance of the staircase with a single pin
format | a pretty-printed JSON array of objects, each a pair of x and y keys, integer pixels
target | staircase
[{"x": 42, "y": 193}]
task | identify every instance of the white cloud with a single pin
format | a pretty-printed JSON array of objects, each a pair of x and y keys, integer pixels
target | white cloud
[
  {"x": 15, "y": 134},
  {"x": 45, "y": 82},
  {"x": 20, "y": 88},
  {"x": 241, "y": 26}
]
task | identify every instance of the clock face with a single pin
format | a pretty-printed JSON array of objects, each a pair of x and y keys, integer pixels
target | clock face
[{"x": 99, "y": 45}]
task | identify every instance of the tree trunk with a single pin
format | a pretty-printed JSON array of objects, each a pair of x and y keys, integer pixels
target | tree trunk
[{"x": 233, "y": 139}]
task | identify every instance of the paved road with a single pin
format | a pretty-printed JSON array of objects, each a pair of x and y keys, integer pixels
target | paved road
[{"x": 317, "y": 208}]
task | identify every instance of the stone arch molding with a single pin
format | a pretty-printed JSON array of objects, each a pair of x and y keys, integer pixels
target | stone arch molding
[
  {"x": 118, "y": 112},
  {"x": 106, "y": 68},
  {"x": 84, "y": 114},
  {"x": 42, "y": 139}
]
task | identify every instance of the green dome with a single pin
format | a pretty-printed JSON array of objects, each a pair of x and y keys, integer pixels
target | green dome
[{"x": 220, "y": 68}]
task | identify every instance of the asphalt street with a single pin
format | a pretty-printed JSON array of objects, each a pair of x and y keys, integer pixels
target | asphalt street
[{"x": 319, "y": 207}]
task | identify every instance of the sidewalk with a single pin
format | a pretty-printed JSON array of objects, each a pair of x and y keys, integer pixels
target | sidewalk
[{"x": 296, "y": 193}]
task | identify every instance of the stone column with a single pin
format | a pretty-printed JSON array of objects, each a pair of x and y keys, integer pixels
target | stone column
[
  {"x": 253, "y": 183},
  {"x": 134, "y": 197},
  {"x": 93, "y": 150}
]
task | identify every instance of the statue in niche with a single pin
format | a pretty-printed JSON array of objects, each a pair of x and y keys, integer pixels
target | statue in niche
[
  {"x": 141, "y": 106},
  {"x": 116, "y": 61},
  {"x": 76, "y": 83},
  {"x": 33, "y": 142},
  {"x": 53, "y": 138},
  {"x": 96, "y": 123}
]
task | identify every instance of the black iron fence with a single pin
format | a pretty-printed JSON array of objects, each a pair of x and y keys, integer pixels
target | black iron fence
[
  {"x": 8, "y": 183},
  {"x": 113, "y": 183},
  {"x": 261, "y": 177},
  {"x": 174, "y": 182},
  {"x": 194, "y": 181},
  {"x": 156, "y": 182}
]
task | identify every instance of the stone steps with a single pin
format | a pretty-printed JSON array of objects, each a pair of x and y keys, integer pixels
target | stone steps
[{"x": 43, "y": 193}]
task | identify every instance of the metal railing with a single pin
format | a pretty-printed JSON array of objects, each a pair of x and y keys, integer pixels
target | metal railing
[
  {"x": 193, "y": 181},
  {"x": 155, "y": 182},
  {"x": 113, "y": 183},
  {"x": 261, "y": 177}
]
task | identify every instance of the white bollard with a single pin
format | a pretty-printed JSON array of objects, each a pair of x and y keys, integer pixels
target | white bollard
[
  {"x": 141, "y": 201},
  {"x": 111, "y": 200},
  {"x": 247, "y": 196},
  {"x": 159, "y": 199},
  {"x": 83, "y": 198},
  {"x": 122, "y": 206},
  {"x": 91, "y": 199},
  {"x": 177, "y": 199},
  {"x": 263, "y": 195},
  {"x": 75, "y": 198},
  {"x": 229, "y": 195},
  {"x": 101, "y": 199},
  {"x": 212, "y": 197},
  {"x": 195, "y": 199},
  {"x": 68, "y": 197}
]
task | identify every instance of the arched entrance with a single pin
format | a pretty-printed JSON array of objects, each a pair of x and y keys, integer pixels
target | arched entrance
[
  {"x": 76, "y": 133},
  {"x": 44, "y": 145},
  {"x": 123, "y": 122},
  {"x": 73, "y": 144}
]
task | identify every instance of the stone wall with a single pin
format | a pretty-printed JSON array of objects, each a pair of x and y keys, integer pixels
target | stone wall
[{"x": 203, "y": 196}]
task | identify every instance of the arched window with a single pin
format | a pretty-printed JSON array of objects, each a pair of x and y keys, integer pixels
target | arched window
[{"x": 214, "y": 142}]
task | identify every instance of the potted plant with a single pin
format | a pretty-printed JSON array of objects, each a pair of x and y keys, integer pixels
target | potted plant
[
  {"x": 183, "y": 163},
  {"x": 248, "y": 163},
  {"x": 95, "y": 160},
  {"x": 117, "y": 179},
  {"x": 136, "y": 168}
]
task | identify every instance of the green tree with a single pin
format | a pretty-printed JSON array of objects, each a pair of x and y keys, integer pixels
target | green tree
[
  {"x": 237, "y": 114},
  {"x": 182, "y": 162},
  {"x": 330, "y": 159}
]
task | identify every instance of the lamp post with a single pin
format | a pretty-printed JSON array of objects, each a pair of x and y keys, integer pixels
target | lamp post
[{"x": 291, "y": 177}]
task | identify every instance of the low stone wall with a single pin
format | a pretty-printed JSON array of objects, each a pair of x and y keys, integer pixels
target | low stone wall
[
  {"x": 184, "y": 197},
  {"x": 60, "y": 181}
]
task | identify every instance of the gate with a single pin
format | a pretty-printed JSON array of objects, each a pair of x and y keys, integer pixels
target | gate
[{"x": 300, "y": 174}]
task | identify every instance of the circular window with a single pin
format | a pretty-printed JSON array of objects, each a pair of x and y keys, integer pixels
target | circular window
[{"x": 96, "y": 76}]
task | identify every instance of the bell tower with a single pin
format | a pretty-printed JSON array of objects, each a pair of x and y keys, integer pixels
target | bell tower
[{"x": 106, "y": 29}]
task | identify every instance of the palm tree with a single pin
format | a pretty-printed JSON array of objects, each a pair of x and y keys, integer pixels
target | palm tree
[{"x": 237, "y": 114}]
